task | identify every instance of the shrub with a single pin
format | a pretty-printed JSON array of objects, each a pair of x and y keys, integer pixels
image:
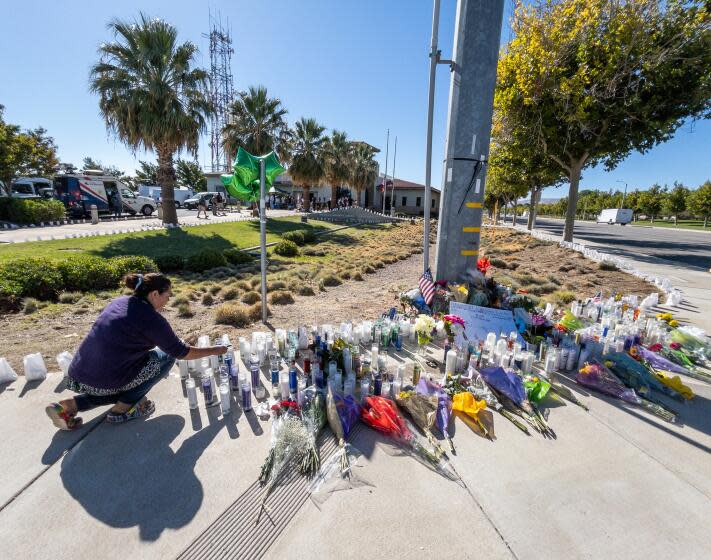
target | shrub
[
  {"x": 10, "y": 293},
  {"x": 305, "y": 291},
  {"x": 564, "y": 296},
  {"x": 251, "y": 297},
  {"x": 131, "y": 263},
  {"x": 184, "y": 310},
  {"x": 254, "y": 282},
  {"x": 23, "y": 211},
  {"x": 30, "y": 305},
  {"x": 607, "y": 265},
  {"x": 205, "y": 260},
  {"x": 286, "y": 248},
  {"x": 281, "y": 297},
  {"x": 215, "y": 289},
  {"x": 358, "y": 276},
  {"x": 237, "y": 257},
  {"x": 294, "y": 236},
  {"x": 207, "y": 299},
  {"x": 331, "y": 280},
  {"x": 83, "y": 273},
  {"x": 315, "y": 252},
  {"x": 345, "y": 275},
  {"x": 69, "y": 297},
  {"x": 179, "y": 300},
  {"x": 170, "y": 263},
  {"x": 255, "y": 312},
  {"x": 230, "y": 293},
  {"x": 31, "y": 277},
  {"x": 369, "y": 269},
  {"x": 232, "y": 314},
  {"x": 499, "y": 263}
]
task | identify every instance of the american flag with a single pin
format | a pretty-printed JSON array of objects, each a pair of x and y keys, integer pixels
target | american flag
[{"x": 427, "y": 287}]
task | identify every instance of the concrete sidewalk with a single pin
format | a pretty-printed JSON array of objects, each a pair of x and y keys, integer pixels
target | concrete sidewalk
[{"x": 616, "y": 483}]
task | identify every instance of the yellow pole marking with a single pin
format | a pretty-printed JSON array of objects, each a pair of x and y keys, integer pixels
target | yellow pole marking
[
  {"x": 468, "y": 229},
  {"x": 473, "y": 205},
  {"x": 469, "y": 253}
]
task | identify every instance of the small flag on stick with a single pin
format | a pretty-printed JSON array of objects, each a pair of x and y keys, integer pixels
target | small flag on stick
[{"x": 427, "y": 287}]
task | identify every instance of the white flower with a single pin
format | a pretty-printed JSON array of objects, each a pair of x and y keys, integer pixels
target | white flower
[{"x": 424, "y": 324}]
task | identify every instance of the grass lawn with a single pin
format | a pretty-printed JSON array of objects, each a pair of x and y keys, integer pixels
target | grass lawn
[
  {"x": 160, "y": 243},
  {"x": 682, "y": 224}
]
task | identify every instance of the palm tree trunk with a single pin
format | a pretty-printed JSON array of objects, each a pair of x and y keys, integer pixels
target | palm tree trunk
[
  {"x": 334, "y": 194},
  {"x": 166, "y": 180},
  {"x": 306, "y": 190}
]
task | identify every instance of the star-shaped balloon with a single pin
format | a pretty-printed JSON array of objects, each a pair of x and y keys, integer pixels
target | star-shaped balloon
[{"x": 244, "y": 182}]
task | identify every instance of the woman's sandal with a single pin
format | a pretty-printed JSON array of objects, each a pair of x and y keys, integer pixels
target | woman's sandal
[
  {"x": 62, "y": 419},
  {"x": 138, "y": 410}
]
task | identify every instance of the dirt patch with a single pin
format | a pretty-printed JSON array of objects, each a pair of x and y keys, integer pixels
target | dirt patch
[{"x": 538, "y": 267}]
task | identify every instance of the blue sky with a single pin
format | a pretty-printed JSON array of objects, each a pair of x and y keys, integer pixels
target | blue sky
[{"x": 355, "y": 65}]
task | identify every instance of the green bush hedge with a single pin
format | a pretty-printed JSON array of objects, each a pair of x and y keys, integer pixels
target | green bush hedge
[
  {"x": 286, "y": 248},
  {"x": 205, "y": 260},
  {"x": 170, "y": 263},
  {"x": 235, "y": 256},
  {"x": 295, "y": 236},
  {"x": 23, "y": 211},
  {"x": 309, "y": 235},
  {"x": 42, "y": 279}
]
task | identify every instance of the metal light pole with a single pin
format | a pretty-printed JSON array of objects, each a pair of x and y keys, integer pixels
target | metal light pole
[
  {"x": 392, "y": 191},
  {"x": 434, "y": 59},
  {"x": 385, "y": 179},
  {"x": 263, "y": 237},
  {"x": 471, "y": 106},
  {"x": 622, "y": 204}
]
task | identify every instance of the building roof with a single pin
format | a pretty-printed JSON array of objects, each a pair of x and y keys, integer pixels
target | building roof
[{"x": 403, "y": 184}]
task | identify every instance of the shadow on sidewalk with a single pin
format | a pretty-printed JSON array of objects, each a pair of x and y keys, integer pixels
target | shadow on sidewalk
[{"x": 128, "y": 475}]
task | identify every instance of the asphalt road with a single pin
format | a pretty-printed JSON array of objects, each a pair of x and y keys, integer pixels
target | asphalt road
[{"x": 687, "y": 248}]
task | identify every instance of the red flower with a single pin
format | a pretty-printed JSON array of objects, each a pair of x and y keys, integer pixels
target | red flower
[
  {"x": 655, "y": 347},
  {"x": 675, "y": 345},
  {"x": 483, "y": 265}
]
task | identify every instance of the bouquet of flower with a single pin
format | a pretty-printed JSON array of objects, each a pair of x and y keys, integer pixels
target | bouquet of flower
[
  {"x": 454, "y": 325},
  {"x": 674, "y": 382},
  {"x": 481, "y": 390},
  {"x": 291, "y": 440},
  {"x": 536, "y": 388},
  {"x": 509, "y": 389},
  {"x": 423, "y": 411},
  {"x": 444, "y": 406},
  {"x": 637, "y": 375},
  {"x": 483, "y": 264},
  {"x": 382, "y": 415},
  {"x": 656, "y": 361},
  {"x": 424, "y": 325},
  {"x": 569, "y": 322},
  {"x": 313, "y": 415},
  {"x": 692, "y": 345},
  {"x": 473, "y": 412},
  {"x": 342, "y": 414},
  {"x": 596, "y": 376}
]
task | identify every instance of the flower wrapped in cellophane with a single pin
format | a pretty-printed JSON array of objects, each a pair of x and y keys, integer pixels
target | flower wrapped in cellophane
[
  {"x": 481, "y": 390},
  {"x": 342, "y": 414},
  {"x": 510, "y": 390},
  {"x": 474, "y": 414},
  {"x": 291, "y": 443},
  {"x": 570, "y": 322},
  {"x": 423, "y": 411},
  {"x": 444, "y": 407},
  {"x": 596, "y": 376},
  {"x": 382, "y": 415}
]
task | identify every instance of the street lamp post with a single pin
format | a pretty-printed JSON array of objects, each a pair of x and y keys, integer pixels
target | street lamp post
[{"x": 622, "y": 204}]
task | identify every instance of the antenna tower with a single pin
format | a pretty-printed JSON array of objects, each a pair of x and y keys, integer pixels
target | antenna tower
[{"x": 221, "y": 88}]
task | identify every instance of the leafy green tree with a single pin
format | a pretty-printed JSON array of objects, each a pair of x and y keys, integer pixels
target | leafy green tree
[
  {"x": 190, "y": 174},
  {"x": 675, "y": 201},
  {"x": 307, "y": 167},
  {"x": 338, "y": 153},
  {"x": 632, "y": 201},
  {"x": 91, "y": 163},
  {"x": 151, "y": 96},
  {"x": 364, "y": 168},
  {"x": 258, "y": 125},
  {"x": 30, "y": 153},
  {"x": 699, "y": 202},
  {"x": 594, "y": 80},
  {"x": 651, "y": 201},
  {"x": 147, "y": 173}
]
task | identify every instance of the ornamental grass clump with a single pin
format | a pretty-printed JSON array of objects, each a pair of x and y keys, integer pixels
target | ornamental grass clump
[
  {"x": 230, "y": 294},
  {"x": 233, "y": 314},
  {"x": 250, "y": 298},
  {"x": 281, "y": 297},
  {"x": 184, "y": 310}
]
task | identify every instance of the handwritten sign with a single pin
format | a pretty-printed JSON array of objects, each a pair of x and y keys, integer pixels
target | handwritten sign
[{"x": 480, "y": 321}]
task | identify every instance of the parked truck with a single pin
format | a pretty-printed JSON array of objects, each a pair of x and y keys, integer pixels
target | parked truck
[{"x": 153, "y": 191}]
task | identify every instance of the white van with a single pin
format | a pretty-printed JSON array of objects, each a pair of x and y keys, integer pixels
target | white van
[
  {"x": 611, "y": 216},
  {"x": 32, "y": 187},
  {"x": 181, "y": 194},
  {"x": 78, "y": 191}
]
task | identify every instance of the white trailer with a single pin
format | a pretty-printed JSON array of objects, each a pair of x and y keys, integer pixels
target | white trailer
[{"x": 611, "y": 216}]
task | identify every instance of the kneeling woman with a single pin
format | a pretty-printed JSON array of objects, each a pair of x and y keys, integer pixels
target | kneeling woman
[{"x": 129, "y": 348}]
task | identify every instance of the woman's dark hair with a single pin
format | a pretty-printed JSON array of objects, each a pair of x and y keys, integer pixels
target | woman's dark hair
[{"x": 144, "y": 284}]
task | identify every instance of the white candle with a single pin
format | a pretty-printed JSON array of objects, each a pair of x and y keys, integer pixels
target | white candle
[
  {"x": 225, "y": 403},
  {"x": 183, "y": 366},
  {"x": 450, "y": 363},
  {"x": 192, "y": 394},
  {"x": 374, "y": 355},
  {"x": 347, "y": 361}
]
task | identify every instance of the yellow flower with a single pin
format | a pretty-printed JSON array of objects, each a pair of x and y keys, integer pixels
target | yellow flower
[{"x": 673, "y": 323}]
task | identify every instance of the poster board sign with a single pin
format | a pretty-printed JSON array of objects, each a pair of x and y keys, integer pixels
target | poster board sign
[{"x": 480, "y": 321}]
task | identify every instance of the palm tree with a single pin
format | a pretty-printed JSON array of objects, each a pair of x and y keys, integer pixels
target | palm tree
[
  {"x": 151, "y": 96},
  {"x": 257, "y": 124},
  {"x": 364, "y": 170},
  {"x": 307, "y": 163},
  {"x": 337, "y": 152}
]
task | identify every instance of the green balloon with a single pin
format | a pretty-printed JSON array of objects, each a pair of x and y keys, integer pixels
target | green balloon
[{"x": 244, "y": 182}]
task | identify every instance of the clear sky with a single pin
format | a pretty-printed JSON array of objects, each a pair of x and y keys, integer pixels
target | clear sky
[{"x": 355, "y": 65}]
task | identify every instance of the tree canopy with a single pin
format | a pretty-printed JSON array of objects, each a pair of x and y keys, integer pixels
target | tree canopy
[{"x": 590, "y": 81}]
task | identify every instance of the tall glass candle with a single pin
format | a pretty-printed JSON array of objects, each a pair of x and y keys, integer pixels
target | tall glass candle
[{"x": 192, "y": 394}]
